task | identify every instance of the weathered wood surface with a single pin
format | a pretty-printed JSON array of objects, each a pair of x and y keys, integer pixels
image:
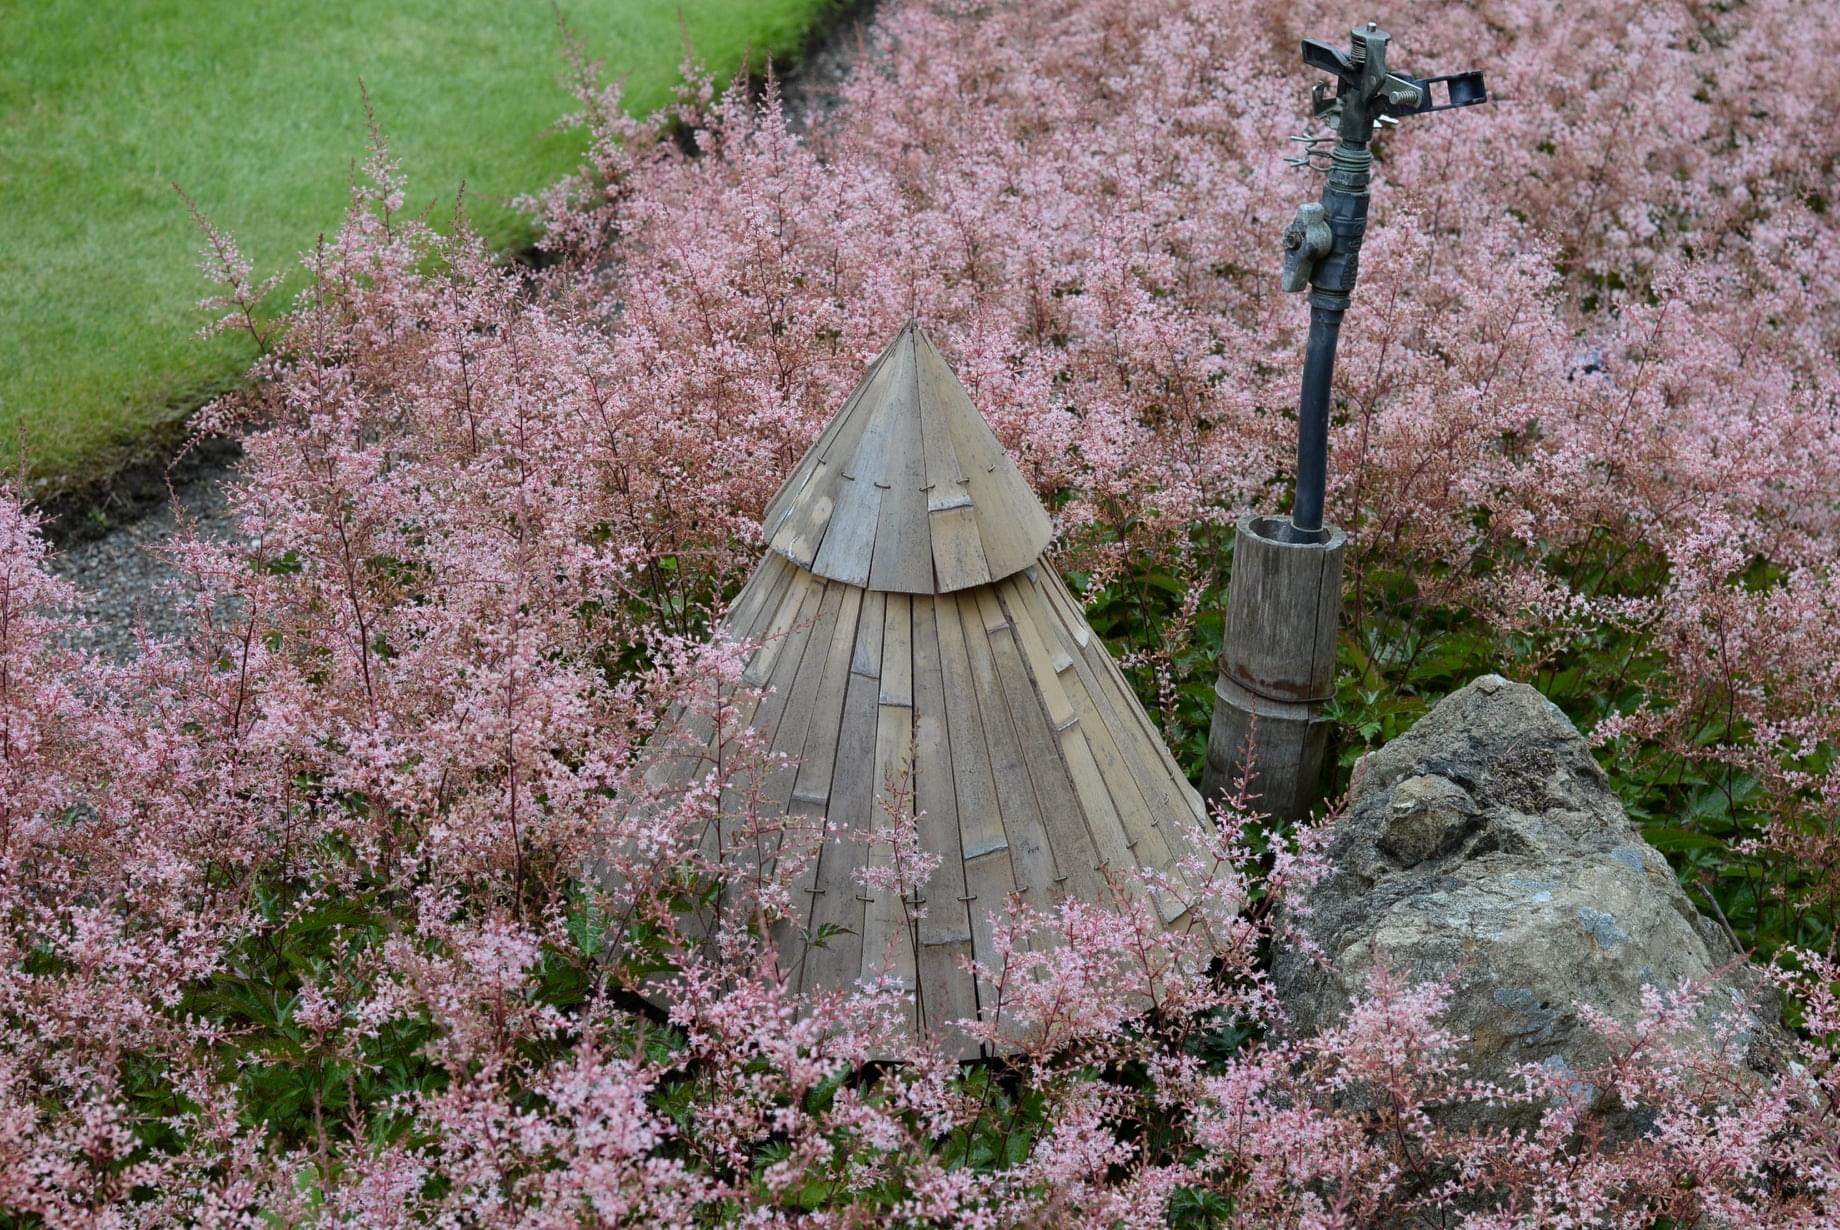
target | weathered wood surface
[
  {"x": 908, "y": 490},
  {"x": 953, "y": 684},
  {"x": 1277, "y": 669}
]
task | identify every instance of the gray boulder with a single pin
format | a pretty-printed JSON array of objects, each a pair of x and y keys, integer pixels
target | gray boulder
[{"x": 1486, "y": 841}]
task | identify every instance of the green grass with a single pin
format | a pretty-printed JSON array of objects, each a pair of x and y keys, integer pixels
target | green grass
[{"x": 253, "y": 107}]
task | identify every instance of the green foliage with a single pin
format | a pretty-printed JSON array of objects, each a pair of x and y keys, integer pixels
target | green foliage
[
  {"x": 1399, "y": 654},
  {"x": 304, "y": 1089},
  {"x": 1137, "y": 614}
]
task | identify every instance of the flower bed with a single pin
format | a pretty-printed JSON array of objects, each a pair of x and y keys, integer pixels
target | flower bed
[{"x": 295, "y": 925}]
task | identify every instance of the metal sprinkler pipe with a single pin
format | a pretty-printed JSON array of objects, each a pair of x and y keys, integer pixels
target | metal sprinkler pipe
[
  {"x": 1322, "y": 245},
  {"x": 1277, "y": 664}
]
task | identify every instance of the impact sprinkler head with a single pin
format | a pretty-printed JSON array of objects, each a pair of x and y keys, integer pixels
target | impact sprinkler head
[{"x": 1367, "y": 93}]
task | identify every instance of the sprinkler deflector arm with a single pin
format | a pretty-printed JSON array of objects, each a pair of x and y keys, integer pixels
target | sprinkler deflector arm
[{"x": 1322, "y": 245}]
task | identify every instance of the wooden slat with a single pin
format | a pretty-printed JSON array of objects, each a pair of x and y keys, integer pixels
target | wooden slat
[
  {"x": 947, "y": 993},
  {"x": 776, "y": 664},
  {"x": 1180, "y": 811},
  {"x": 1140, "y": 785},
  {"x": 802, "y": 528},
  {"x": 817, "y": 762},
  {"x": 768, "y": 622},
  {"x": 1104, "y": 826},
  {"x": 1031, "y": 857},
  {"x": 769, "y": 712},
  {"x": 1160, "y": 809},
  {"x": 773, "y": 640},
  {"x": 849, "y": 539},
  {"x": 1130, "y": 712},
  {"x": 980, "y": 821},
  {"x": 958, "y": 549},
  {"x": 1150, "y": 764},
  {"x": 1148, "y": 823},
  {"x": 989, "y": 876},
  {"x": 852, "y": 797},
  {"x": 1044, "y": 663},
  {"x": 1105, "y": 817},
  {"x": 989, "y": 609},
  {"x": 887, "y": 940},
  {"x": 794, "y": 723},
  {"x": 1066, "y": 608},
  {"x": 849, "y": 536},
  {"x": 818, "y": 759},
  {"x": 835, "y": 902},
  {"x": 748, "y": 620},
  {"x": 897, "y": 663},
  {"x": 866, "y": 657},
  {"x": 750, "y": 595},
  {"x": 945, "y": 473},
  {"x": 952, "y": 523},
  {"x": 903, "y": 559},
  {"x": 682, "y": 749},
  {"x": 1013, "y": 525},
  {"x": 1076, "y": 859},
  {"x": 813, "y": 480}
]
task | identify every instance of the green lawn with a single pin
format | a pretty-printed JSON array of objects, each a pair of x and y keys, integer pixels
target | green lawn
[{"x": 253, "y": 107}]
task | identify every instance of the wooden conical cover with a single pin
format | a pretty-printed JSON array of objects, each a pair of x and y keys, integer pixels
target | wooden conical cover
[
  {"x": 907, "y": 491},
  {"x": 989, "y": 708}
]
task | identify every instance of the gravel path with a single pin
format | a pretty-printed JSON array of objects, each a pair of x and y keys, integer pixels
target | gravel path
[
  {"x": 124, "y": 579},
  {"x": 809, "y": 88}
]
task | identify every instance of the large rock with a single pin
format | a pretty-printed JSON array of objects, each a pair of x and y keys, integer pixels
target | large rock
[{"x": 1486, "y": 841}]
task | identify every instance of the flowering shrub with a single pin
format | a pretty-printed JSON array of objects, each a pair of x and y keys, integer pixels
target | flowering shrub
[{"x": 296, "y": 930}]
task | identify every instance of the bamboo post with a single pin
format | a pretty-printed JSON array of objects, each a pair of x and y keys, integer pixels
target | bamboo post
[{"x": 1277, "y": 667}]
